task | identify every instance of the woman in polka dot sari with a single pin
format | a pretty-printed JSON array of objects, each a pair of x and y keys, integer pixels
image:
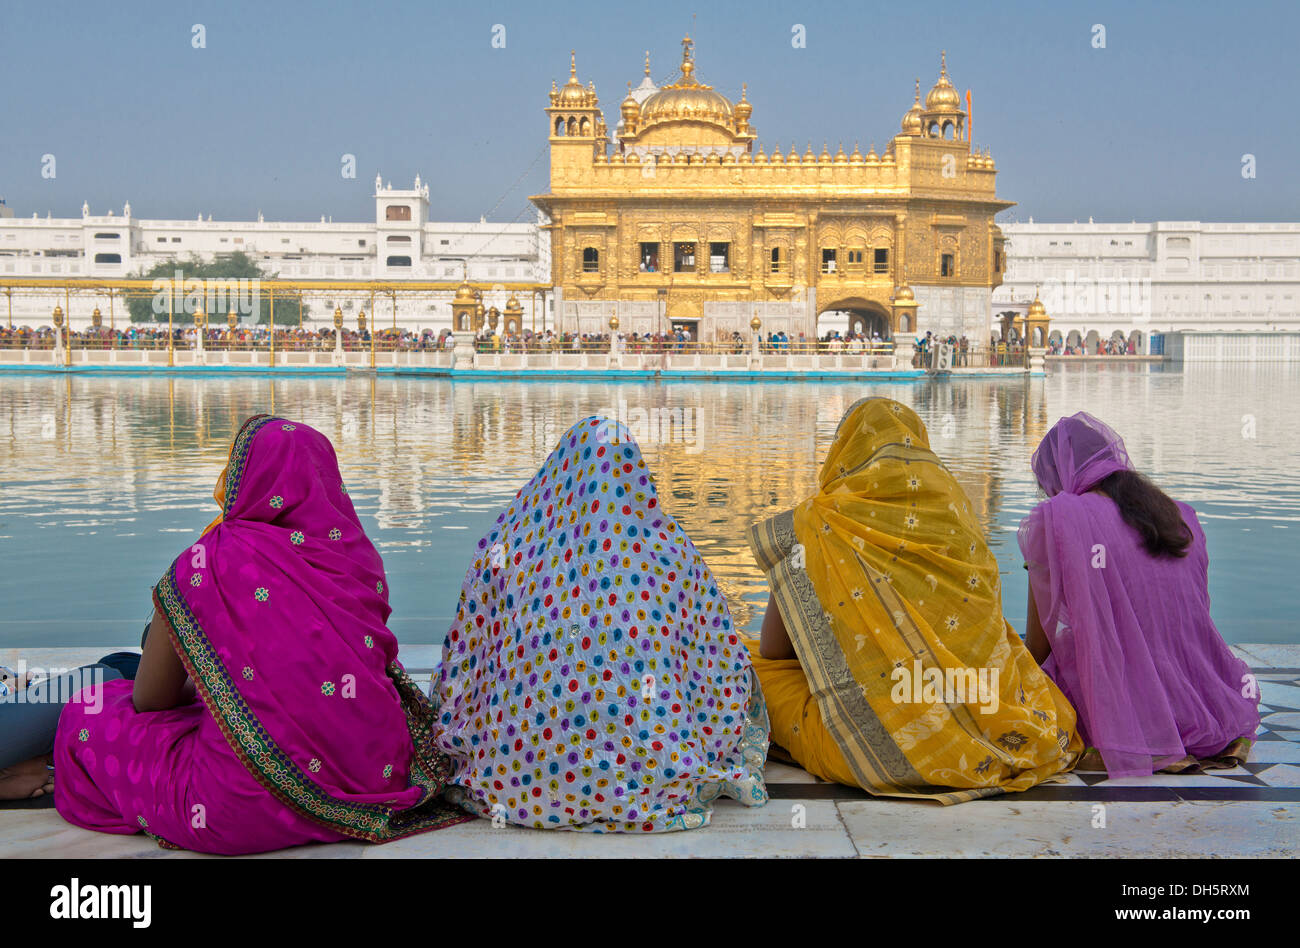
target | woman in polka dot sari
[
  {"x": 592, "y": 678},
  {"x": 269, "y": 709}
]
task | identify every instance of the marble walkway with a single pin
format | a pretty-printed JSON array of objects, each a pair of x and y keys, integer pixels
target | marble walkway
[{"x": 1252, "y": 810}]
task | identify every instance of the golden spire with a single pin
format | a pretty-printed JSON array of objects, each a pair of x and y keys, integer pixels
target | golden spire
[
  {"x": 743, "y": 109},
  {"x": 573, "y": 64},
  {"x": 912, "y": 121},
  {"x": 647, "y": 64},
  {"x": 688, "y": 61},
  {"x": 943, "y": 63}
]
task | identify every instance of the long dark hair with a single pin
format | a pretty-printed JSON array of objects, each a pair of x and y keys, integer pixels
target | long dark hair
[{"x": 1149, "y": 511}]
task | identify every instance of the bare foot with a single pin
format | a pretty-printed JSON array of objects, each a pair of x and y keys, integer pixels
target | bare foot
[
  {"x": 30, "y": 779},
  {"x": 1091, "y": 762}
]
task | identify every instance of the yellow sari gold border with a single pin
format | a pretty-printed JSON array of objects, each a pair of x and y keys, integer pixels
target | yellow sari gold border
[{"x": 867, "y": 745}]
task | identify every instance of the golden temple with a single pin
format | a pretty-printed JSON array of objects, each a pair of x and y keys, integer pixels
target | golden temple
[{"x": 679, "y": 218}]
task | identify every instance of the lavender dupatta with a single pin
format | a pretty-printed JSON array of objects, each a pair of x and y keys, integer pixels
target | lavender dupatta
[{"x": 1133, "y": 644}]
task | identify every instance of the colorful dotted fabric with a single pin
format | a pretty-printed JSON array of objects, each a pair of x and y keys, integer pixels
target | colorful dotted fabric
[{"x": 592, "y": 678}]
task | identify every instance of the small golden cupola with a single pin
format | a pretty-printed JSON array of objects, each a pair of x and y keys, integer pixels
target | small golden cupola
[
  {"x": 912, "y": 121},
  {"x": 574, "y": 94},
  {"x": 631, "y": 112},
  {"x": 943, "y": 116},
  {"x": 575, "y": 110},
  {"x": 743, "y": 109}
]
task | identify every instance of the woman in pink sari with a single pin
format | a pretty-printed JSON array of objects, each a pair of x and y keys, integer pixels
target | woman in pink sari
[
  {"x": 1119, "y": 612},
  {"x": 269, "y": 709}
]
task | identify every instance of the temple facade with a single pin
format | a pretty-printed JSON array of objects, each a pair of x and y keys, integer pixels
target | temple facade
[{"x": 679, "y": 217}]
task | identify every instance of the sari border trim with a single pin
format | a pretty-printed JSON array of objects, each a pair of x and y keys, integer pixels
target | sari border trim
[
  {"x": 880, "y": 766},
  {"x": 264, "y": 759},
  {"x": 239, "y": 457}
]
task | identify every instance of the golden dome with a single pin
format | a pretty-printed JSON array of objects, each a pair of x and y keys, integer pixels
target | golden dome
[
  {"x": 631, "y": 107},
  {"x": 573, "y": 95},
  {"x": 687, "y": 98},
  {"x": 464, "y": 293},
  {"x": 943, "y": 97},
  {"x": 1036, "y": 308},
  {"x": 687, "y": 102},
  {"x": 904, "y": 294},
  {"x": 912, "y": 124}
]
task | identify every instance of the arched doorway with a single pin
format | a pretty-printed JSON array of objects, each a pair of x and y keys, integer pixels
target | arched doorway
[{"x": 860, "y": 317}]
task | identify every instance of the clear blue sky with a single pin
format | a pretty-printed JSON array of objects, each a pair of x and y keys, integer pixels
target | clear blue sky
[{"x": 1153, "y": 127}]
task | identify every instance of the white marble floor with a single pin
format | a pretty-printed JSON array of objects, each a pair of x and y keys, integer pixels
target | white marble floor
[{"x": 1250, "y": 811}]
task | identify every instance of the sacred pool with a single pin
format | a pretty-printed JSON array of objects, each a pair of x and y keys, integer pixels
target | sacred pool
[{"x": 106, "y": 479}]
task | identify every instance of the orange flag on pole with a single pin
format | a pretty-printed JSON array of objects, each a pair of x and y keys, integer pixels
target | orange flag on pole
[{"x": 970, "y": 119}]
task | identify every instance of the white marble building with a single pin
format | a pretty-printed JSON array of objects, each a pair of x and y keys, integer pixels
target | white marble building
[
  {"x": 1230, "y": 291},
  {"x": 400, "y": 244}
]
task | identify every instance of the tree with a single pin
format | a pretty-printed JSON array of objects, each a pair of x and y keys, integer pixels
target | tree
[{"x": 227, "y": 283}]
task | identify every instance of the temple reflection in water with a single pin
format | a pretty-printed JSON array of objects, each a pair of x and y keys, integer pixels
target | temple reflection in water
[
  {"x": 429, "y": 463},
  {"x": 106, "y": 479}
]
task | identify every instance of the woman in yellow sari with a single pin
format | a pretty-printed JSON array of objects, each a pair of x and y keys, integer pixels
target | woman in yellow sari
[{"x": 885, "y": 659}]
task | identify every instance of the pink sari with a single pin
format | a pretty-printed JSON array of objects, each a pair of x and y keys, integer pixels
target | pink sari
[{"x": 305, "y": 726}]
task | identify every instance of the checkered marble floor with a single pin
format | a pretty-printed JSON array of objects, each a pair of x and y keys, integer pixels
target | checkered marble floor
[{"x": 1252, "y": 810}]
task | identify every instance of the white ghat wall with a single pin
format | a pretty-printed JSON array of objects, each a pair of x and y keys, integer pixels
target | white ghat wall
[
  {"x": 1161, "y": 277},
  {"x": 400, "y": 244}
]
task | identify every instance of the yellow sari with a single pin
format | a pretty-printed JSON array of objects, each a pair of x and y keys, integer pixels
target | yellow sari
[{"x": 909, "y": 681}]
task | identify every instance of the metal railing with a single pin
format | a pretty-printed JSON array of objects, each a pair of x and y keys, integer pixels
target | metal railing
[
  {"x": 573, "y": 345},
  {"x": 218, "y": 341}
]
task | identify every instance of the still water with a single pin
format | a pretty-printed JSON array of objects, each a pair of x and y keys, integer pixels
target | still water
[{"x": 104, "y": 480}]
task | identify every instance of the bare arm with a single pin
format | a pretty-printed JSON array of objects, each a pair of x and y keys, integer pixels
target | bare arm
[
  {"x": 774, "y": 643},
  {"x": 1035, "y": 638},
  {"x": 161, "y": 682}
]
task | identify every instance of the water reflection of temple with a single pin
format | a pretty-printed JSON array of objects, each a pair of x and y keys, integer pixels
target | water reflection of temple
[{"x": 99, "y": 471}]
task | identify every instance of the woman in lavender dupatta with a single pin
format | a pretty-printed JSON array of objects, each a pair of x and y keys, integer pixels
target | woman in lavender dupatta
[
  {"x": 269, "y": 709},
  {"x": 1119, "y": 612}
]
